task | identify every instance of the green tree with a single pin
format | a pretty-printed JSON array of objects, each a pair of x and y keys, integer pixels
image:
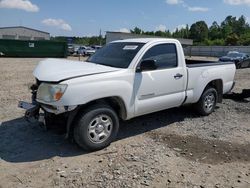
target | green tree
[
  {"x": 199, "y": 31},
  {"x": 245, "y": 39},
  {"x": 232, "y": 25},
  {"x": 181, "y": 33},
  {"x": 226, "y": 31},
  {"x": 216, "y": 42},
  {"x": 232, "y": 39},
  {"x": 160, "y": 33},
  {"x": 137, "y": 30},
  {"x": 168, "y": 34},
  {"x": 214, "y": 31},
  {"x": 186, "y": 35},
  {"x": 149, "y": 33}
]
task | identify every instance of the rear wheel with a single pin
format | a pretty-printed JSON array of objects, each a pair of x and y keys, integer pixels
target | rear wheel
[
  {"x": 96, "y": 128},
  {"x": 207, "y": 102},
  {"x": 238, "y": 65}
]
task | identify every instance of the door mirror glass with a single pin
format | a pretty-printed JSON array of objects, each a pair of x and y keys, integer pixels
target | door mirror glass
[{"x": 147, "y": 65}]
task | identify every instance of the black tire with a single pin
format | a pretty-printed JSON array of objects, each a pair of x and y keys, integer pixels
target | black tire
[
  {"x": 207, "y": 102},
  {"x": 238, "y": 65},
  {"x": 96, "y": 117}
]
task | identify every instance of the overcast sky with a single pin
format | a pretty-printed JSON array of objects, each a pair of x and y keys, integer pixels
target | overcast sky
[{"x": 87, "y": 17}]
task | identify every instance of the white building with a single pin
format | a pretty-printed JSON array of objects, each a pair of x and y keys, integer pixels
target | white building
[
  {"x": 112, "y": 36},
  {"x": 23, "y": 33}
]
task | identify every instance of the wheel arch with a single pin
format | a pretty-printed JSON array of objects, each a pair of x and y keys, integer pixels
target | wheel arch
[
  {"x": 115, "y": 102},
  {"x": 218, "y": 85}
]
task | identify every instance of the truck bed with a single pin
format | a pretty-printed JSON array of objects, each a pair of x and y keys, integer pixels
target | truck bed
[
  {"x": 199, "y": 63},
  {"x": 200, "y": 73}
]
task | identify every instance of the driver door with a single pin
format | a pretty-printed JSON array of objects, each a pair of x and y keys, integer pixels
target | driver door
[{"x": 163, "y": 87}]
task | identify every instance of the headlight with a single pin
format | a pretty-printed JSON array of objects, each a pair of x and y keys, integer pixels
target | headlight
[{"x": 51, "y": 92}]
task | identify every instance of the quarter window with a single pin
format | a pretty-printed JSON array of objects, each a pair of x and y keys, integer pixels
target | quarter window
[{"x": 164, "y": 55}]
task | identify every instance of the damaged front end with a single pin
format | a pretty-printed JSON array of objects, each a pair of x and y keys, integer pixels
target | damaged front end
[
  {"x": 33, "y": 108},
  {"x": 48, "y": 115}
]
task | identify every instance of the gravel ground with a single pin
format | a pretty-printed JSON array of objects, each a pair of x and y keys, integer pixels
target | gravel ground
[{"x": 172, "y": 148}]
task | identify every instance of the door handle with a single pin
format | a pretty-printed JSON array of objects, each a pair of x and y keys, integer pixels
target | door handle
[{"x": 178, "y": 76}]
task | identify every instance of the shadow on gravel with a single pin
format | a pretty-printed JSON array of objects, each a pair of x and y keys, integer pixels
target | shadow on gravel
[
  {"x": 239, "y": 97},
  {"x": 24, "y": 142},
  {"x": 205, "y": 151},
  {"x": 154, "y": 121}
]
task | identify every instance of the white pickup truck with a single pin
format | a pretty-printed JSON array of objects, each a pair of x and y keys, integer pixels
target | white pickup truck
[{"x": 123, "y": 80}]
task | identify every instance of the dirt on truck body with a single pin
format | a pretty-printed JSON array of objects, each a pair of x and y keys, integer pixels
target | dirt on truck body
[{"x": 171, "y": 148}]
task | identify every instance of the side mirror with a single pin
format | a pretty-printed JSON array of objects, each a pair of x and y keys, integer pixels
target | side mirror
[{"x": 147, "y": 65}]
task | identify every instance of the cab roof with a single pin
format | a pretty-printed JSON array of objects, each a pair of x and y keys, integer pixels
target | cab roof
[{"x": 144, "y": 40}]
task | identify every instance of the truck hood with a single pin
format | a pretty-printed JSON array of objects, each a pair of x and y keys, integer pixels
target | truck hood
[{"x": 56, "y": 70}]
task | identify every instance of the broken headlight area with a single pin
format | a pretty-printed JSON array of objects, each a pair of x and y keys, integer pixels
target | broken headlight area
[{"x": 48, "y": 92}]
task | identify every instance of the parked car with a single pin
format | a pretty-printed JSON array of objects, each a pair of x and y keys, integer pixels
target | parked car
[
  {"x": 85, "y": 51},
  {"x": 235, "y": 57},
  {"x": 245, "y": 63},
  {"x": 70, "y": 49},
  {"x": 123, "y": 80},
  {"x": 76, "y": 48},
  {"x": 96, "y": 47}
]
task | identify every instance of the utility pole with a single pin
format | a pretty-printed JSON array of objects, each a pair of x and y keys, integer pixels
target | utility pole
[{"x": 100, "y": 37}]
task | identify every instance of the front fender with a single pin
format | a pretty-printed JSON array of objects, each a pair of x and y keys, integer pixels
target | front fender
[{"x": 78, "y": 94}]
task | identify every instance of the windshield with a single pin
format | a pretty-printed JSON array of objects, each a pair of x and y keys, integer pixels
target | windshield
[
  {"x": 235, "y": 55},
  {"x": 118, "y": 54}
]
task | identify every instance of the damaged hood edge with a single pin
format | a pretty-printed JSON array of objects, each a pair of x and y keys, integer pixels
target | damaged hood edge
[{"x": 55, "y": 70}]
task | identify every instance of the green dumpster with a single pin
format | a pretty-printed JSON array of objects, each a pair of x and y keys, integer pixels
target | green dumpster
[{"x": 21, "y": 48}]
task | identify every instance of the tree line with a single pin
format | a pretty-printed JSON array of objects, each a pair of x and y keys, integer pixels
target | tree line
[{"x": 231, "y": 31}]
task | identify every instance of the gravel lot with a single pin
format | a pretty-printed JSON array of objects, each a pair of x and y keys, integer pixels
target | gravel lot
[{"x": 172, "y": 148}]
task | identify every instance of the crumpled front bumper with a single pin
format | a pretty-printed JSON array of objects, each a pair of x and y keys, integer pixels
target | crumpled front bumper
[
  {"x": 32, "y": 110},
  {"x": 56, "y": 109},
  {"x": 38, "y": 111}
]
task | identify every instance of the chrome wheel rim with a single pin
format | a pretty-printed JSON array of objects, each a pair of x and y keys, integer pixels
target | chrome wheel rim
[
  {"x": 209, "y": 102},
  {"x": 100, "y": 128}
]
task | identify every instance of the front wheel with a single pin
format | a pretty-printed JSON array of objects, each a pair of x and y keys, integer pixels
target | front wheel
[
  {"x": 96, "y": 128},
  {"x": 207, "y": 102}
]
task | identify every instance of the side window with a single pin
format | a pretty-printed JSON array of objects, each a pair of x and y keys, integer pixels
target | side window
[{"x": 164, "y": 55}]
